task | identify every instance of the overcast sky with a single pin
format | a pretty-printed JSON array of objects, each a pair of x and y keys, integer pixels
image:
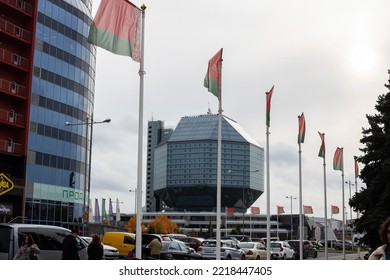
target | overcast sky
[{"x": 328, "y": 59}]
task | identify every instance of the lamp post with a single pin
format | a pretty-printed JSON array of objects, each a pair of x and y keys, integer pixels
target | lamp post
[
  {"x": 135, "y": 198},
  {"x": 350, "y": 208},
  {"x": 291, "y": 221},
  {"x": 87, "y": 122}
]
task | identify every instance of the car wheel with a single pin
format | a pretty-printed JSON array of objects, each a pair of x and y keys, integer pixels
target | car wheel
[
  {"x": 315, "y": 254},
  {"x": 258, "y": 257},
  {"x": 284, "y": 257},
  {"x": 243, "y": 257},
  {"x": 228, "y": 257}
]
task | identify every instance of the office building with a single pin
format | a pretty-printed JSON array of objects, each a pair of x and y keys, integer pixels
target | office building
[
  {"x": 46, "y": 79},
  {"x": 185, "y": 166}
]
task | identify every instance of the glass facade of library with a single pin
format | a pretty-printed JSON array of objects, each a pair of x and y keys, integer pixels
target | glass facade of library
[
  {"x": 62, "y": 91},
  {"x": 185, "y": 173}
]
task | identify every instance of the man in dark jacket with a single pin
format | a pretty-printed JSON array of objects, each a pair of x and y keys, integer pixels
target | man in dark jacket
[{"x": 70, "y": 247}]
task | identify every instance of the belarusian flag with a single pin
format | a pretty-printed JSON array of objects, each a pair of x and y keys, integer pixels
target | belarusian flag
[
  {"x": 321, "y": 153},
  {"x": 335, "y": 209},
  {"x": 356, "y": 168},
  {"x": 229, "y": 211},
  {"x": 268, "y": 106},
  {"x": 280, "y": 209},
  {"x": 302, "y": 129},
  {"x": 255, "y": 210},
  {"x": 117, "y": 28},
  {"x": 338, "y": 159},
  {"x": 307, "y": 209},
  {"x": 212, "y": 81}
]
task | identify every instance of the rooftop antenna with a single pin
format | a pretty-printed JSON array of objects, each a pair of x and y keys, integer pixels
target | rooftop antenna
[{"x": 209, "y": 110}]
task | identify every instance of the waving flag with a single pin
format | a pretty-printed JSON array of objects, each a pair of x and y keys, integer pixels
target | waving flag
[
  {"x": 280, "y": 209},
  {"x": 255, "y": 210},
  {"x": 335, "y": 209},
  {"x": 229, "y": 211},
  {"x": 268, "y": 106},
  {"x": 104, "y": 213},
  {"x": 338, "y": 159},
  {"x": 321, "y": 153},
  {"x": 356, "y": 167},
  {"x": 302, "y": 129},
  {"x": 117, "y": 28},
  {"x": 212, "y": 81},
  {"x": 97, "y": 211},
  {"x": 110, "y": 212},
  {"x": 307, "y": 209},
  {"x": 118, "y": 211}
]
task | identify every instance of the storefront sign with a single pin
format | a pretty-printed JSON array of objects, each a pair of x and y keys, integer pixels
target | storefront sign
[
  {"x": 6, "y": 209},
  {"x": 5, "y": 184}
]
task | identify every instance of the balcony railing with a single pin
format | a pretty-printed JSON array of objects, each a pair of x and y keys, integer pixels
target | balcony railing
[
  {"x": 14, "y": 30},
  {"x": 11, "y": 117},
  {"x": 13, "y": 88},
  {"x": 19, "y": 5},
  {"x": 11, "y": 147},
  {"x": 14, "y": 59}
]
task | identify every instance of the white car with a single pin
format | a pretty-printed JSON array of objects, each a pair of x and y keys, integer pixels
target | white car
[
  {"x": 109, "y": 252},
  {"x": 254, "y": 250},
  {"x": 281, "y": 250},
  {"x": 229, "y": 250}
]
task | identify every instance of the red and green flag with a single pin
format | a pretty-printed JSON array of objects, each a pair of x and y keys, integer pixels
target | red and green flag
[
  {"x": 334, "y": 209},
  {"x": 356, "y": 168},
  {"x": 280, "y": 209},
  {"x": 117, "y": 28},
  {"x": 255, "y": 210},
  {"x": 268, "y": 106},
  {"x": 212, "y": 81},
  {"x": 338, "y": 159},
  {"x": 302, "y": 129},
  {"x": 229, "y": 211},
  {"x": 307, "y": 209},
  {"x": 321, "y": 153}
]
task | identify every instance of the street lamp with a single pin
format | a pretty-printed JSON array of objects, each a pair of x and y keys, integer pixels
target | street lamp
[
  {"x": 135, "y": 199},
  {"x": 291, "y": 221},
  {"x": 87, "y": 122},
  {"x": 350, "y": 208}
]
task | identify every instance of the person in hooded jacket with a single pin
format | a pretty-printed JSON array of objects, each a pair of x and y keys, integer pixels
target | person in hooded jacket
[{"x": 383, "y": 251}]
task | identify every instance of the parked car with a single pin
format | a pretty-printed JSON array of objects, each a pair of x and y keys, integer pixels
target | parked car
[
  {"x": 239, "y": 237},
  {"x": 254, "y": 250},
  {"x": 309, "y": 249},
  {"x": 123, "y": 241},
  {"x": 229, "y": 250},
  {"x": 193, "y": 242},
  {"x": 109, "y": 252},
  {"x": 282, "y": 250},
  {"x": 48, "y": 239},
  {"x": 338, "y": 245},
  {"x": 173, "y": 250}
]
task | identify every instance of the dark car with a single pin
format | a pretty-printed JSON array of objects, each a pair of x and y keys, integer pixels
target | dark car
[
  {"x": 308, "y": 249},
  {"x": 193, "y": 242},
  {"x": 173, "y": 250}
]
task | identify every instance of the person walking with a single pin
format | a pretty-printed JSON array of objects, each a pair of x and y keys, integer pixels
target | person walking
[
  {"x": 95, "y": 248},
  {"x": 383, "y": 251},
  {"x": 155, "y": 248},
  {"x": 28, "y": 249},
  {"x": 70, "y": 248}
]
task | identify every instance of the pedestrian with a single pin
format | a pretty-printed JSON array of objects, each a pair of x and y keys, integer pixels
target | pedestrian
[
  {"x": 70, "y": 247},
  {"x": 28, "y": 250},
  {"x": 95, "y": 248},
  {"x": 383, "y": 251},
  {"x": 155, "y": 248}
]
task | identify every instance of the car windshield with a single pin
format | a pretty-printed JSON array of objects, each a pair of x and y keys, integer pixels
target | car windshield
[
  {"x": 246, "y": 245},
  {"x": 275, "y": 245}
]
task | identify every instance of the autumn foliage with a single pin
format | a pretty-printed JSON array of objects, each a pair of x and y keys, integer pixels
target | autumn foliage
[
  {"x": 131, "y": 225},
  {"x": 162, "y": 224}
]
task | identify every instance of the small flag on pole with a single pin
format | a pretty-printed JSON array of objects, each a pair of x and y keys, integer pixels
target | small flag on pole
[
  {"x": 307, "y": 209},
  {"x": 302, "y": 129},
  {"x": 321, "y": 153},
  {"x": 104, "y": 213},
  {"x": 268, "y": 106},
  {"x": 255, "y": 210},
  {"x": 335, "y": 209},
  {"x": 338, "y": 159},
  {"x": 229, "y": 211},
  {"x": 356, "y": 167},
  {"x": 97, "y": 211},
  {"x": 280, "y": 209},
  {"x": 212, "y": 81},
  {"x": 117, "y": 28},
  {"x": 110, "y": 212}
]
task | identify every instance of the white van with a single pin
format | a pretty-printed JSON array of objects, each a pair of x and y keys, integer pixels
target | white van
[{"x": 48, "y": 238}]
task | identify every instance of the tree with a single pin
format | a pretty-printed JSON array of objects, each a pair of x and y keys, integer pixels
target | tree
[
  {"x": 162, "y": 224},
  {"x": 373, "y": 201},
  {"x": 131, "y": 225}
]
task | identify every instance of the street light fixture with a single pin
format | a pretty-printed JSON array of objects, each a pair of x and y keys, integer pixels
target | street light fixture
[
  {"x": 291, "y": 221},
  {"x": 87, "y": 122}
]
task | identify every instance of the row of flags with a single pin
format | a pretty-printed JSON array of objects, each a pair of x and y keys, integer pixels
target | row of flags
[
  {"x": 307, "y": 209},
  {"x": 103, "y": 216}
]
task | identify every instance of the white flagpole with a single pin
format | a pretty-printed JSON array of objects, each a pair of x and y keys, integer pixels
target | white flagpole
[
  {"x": 300, "y": 205},
  {"x": 138, "y": 244},
  {"x": 342, "y": 181},
  {"x": 219, "y": 192},
  {"x": 268, "y": 198},
  {"x": 325, "y": 210}
]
